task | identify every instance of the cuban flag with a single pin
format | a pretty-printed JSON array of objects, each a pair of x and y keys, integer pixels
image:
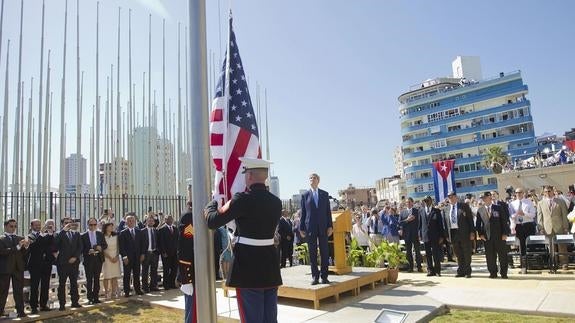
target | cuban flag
[{"x": 443, "y": 178}]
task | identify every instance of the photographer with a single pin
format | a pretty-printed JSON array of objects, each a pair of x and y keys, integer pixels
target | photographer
[
  {"x": 39, "y": 263},
  {"x": 68, "y": 243}
]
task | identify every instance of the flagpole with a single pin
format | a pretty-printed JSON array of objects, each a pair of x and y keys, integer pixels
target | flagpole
[
  {"x": 79, "y": 105},
  {"x": 4, "y": 171},
  {"x": 63, "y": 109},
  {"x": 96, "y": 162},
  {"x": 39, "y": 184},
  {"x": 131, "y": 110},
  {"x": 203, "y": 239}
]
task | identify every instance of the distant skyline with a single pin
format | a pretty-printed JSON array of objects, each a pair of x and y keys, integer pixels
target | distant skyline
[{"x": 333, "y": 71}]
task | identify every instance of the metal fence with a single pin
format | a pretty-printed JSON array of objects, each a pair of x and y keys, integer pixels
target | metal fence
[{"x": 27, "y": 206}]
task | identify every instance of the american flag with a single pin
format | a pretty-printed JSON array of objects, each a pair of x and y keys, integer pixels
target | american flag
[{"x": 233, "y": 127}]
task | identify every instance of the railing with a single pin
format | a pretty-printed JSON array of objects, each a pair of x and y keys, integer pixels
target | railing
[{"x": 27, "y": 206}]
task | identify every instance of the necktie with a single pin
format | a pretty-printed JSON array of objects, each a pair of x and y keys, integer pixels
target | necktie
[
  {"x": 153, "y": 239},
  {"x": 520, "y": 207},
  {"x": 489, "y": 212},
  {"x": 132, "y": 233},
  {"x": 453, "y": 214},
  {"x": 550, "y": 205},
  {"x": 171, "y": 229},
  {"x": 315, "y": 197},
  {"x": 69, "y": 235}
]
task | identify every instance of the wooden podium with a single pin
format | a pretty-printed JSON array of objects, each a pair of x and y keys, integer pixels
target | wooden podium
[{"x": 341, "y": 225}]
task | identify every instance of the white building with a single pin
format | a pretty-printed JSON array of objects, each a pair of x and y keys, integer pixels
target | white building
[
  {"x": 153, "y": 163},
  {"x": 71, "y": 176},
  {"x": 275, "y": 186}
]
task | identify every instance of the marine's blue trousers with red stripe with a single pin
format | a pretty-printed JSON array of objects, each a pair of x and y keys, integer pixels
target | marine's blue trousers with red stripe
[
  {"x": 258, "y": 305},
  {"x": 190, "y": 314}
]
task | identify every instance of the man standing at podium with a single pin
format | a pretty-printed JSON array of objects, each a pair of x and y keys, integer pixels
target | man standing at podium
[{"x": 316, "y": 223}]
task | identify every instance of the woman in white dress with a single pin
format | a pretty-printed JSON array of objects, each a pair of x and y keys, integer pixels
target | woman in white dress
[{"x": 111, "y": 268}]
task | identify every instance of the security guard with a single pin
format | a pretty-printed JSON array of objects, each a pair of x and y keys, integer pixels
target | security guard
[
  {"x": 186, "y": 263},
  {"x": 255, "y": 269}
]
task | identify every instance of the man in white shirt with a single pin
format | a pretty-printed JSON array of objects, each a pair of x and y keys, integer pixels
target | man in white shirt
[{"x": 522, "y": 212}]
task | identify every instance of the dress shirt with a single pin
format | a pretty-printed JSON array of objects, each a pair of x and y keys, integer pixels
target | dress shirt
[
  {"x": 453, "y": 216},
  {"x": 528, "y": 209},
  {"x": 151, "y": 240}
]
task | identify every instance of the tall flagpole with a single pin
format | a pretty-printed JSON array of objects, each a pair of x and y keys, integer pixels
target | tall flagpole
[
  {"x": 178, "y": 150},
  {"x": 164, "y": 79},
  {"x": 47, "y": 130},
  {"x": 118, "y": 109},
  {"x": 78, "y": 105},
  {"x": 4, "y": 171},
  {"x": 132, "y": 109},
  {"x": 49, "y": 163},
  {"x": 152, "y": 153},
  {"x": 267, "y": 129},
  {"x": 97, "y": 125},
  {"x": 29, "y": 141},
  {"x": 1, "y": 25},
  {"x": 15, "y": 177},
  {"x": 63, "y": 110},
  {"x": 40, "y": 104},
  {"x": 203, "y": 240},
  {"x": 92, "y": 162}
]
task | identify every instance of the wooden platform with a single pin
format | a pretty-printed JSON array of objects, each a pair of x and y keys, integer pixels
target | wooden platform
[{"x": 297, "y": 283}]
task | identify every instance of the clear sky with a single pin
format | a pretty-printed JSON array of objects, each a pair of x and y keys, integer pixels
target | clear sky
[{"x": 333, "y": 69}]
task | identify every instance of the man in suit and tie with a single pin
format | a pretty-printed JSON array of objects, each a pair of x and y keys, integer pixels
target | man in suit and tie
[
  {"x": 68, "y": 243},
  {"x": 461, "y": 232},
  {"x": 316, "y": 224},
  {"x": 168, "y": 248},
  {"x": 94, "y": 244},
  {"x": 150, "y": 250},
  {"x": 286, "y": 239},
  {"x": 432, "y": 234},
  {"x": 39, "y": 264},
  {"x": 133, "y": 253},
  {"x": 409, "y": 230},
  {"x": 492, "y": 225},
  {"x": 552, "y": 220},
  {"x": 13, "y": 250}
]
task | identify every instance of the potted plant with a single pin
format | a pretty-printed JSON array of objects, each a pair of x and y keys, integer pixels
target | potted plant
[
  {"x": 394, "y": 257},
  {"x": 302, "y": 252},
  {"x": 356, "y": 255},
  {"x": 376, "y": 256}
]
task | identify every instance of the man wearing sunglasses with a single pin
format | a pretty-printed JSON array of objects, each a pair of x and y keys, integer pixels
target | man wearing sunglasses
[
  {"x": 93, "y": 245},
  {"x": 13, "y": 249}
]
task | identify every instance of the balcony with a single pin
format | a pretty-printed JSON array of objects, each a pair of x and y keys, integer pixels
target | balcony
[
  {"x": 467, "y": 116},
  {"x": 469, "y": 174},
  {"x": 471, "y": 144},
  {"x": 471, "y": 130},
  {"x": 458, "y": 161}
]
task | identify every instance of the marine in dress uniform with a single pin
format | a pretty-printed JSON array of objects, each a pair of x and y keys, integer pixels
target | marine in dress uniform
[
  {"x": 255, "y": 271},
  {"x": 186, "y": 263}
]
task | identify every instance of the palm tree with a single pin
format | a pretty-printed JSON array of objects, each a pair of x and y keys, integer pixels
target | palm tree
[{"x": 495, "y": 159}]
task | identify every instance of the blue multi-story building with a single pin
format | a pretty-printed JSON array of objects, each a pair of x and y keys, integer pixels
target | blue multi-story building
[{"x": 459, "y": 118}]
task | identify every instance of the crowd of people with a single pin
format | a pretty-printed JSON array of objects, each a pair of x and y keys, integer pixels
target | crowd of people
[
  {"x": 462, "y": 227},
  {"x": 102, "y": 249}
]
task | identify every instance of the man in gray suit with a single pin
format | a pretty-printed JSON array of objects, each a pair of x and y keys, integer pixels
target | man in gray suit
[
  {"x": 552, "y": 220},
  {"x": 461, "y": 231}
]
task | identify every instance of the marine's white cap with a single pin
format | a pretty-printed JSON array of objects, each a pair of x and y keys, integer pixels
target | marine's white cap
[{"x": 254, "y": 163}]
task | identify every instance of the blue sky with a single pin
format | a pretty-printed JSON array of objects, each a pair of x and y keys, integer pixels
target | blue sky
[{"x": 333, "y": 70}]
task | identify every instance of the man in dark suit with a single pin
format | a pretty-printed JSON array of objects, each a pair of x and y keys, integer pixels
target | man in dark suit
[
  {"x": 316, "y": 224},
  {"x": 39, "y": 264},
  {"x": 286, "y": 239},
  {"x": 68, "y": 243},
  {"x": 409, "y": 230},
  {"x": 94, "y": 244},
  {"x": 13, "y": 250},
  {"x": 167, "y": 246},
  {"x": 461, "y": 232},
  {"x": 492, "y": 225},
  {"x": 132, "y": 253},
  {"x": 150, "y": 250},
  {"x": 432, "y": 234}
]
